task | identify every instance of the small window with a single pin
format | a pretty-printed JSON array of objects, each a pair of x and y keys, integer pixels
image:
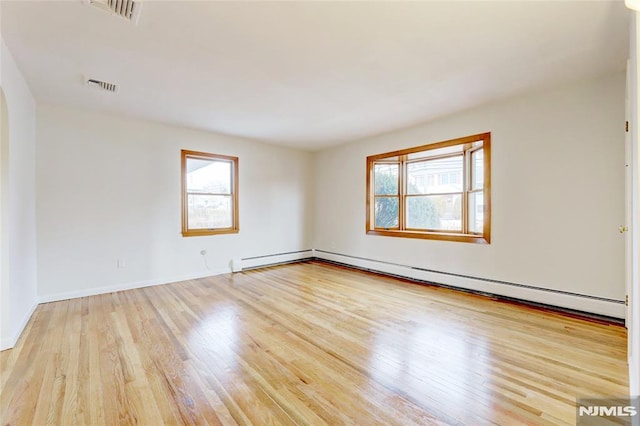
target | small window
[
  {"x": 437, "y": 191},
  {"x": 209, "y": 194}
]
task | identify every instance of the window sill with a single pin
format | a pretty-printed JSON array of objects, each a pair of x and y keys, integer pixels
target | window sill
[
  {"x": 205, "y": 232},
  {"x": 442, "y": 236}
]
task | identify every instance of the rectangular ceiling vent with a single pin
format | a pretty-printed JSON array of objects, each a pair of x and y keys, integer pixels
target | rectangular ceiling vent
[
  {"x": 127, "y": 9},
  {"x": 102, "y": 85}
]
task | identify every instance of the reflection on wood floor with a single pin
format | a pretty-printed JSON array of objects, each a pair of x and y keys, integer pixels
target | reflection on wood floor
[{"x": 307, "y": 343}]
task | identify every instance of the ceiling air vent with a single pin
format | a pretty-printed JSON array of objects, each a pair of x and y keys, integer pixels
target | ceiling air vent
[
  {"x": 102, "y": 85},
  {"x": 127, "y": 9}
]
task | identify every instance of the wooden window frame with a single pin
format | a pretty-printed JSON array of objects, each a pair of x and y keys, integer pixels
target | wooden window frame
[
  {"x": 235, "y": 226},
  {"x": 402, "y": 159}
]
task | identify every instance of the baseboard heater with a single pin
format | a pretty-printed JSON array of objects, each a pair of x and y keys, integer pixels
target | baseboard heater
[
  {"x": 610, "y": 310},
  {"x": 255, "y": 262}
]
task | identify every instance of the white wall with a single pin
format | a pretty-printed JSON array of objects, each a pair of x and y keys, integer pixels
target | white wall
[
  {"x": 18, "y": 276},
  {"x": 633, "y": 322},
  {"x": 5, "y": 329},
  {"x": 557, "y": 192},
  {"x": 109, "y": 188}
]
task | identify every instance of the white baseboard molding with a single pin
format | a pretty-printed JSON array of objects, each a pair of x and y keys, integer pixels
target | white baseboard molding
[
  {"x": 10, "y": 342},
  {"x": 126, "y": 286},
  {"x": 274, "y": 259},
  {"x": 527, "y": 293}
]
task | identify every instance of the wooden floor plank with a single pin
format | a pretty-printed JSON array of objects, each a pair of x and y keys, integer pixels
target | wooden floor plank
[{"x": 307, "y": 343}]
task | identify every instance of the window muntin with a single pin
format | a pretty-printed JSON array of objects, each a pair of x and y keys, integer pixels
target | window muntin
[
  {"x": 443, "y": 191},
  {"x": 209, "y": 194}
]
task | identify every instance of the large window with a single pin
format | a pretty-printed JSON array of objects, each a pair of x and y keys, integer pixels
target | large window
[
  {"x": 209, "y": 194},
  {"x": 439, "y": 191}
]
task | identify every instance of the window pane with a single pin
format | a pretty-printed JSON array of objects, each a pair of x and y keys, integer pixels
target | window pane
[
  {"x": 435, "y": 212},
  {"x": 208, "y": 176},
  {"x": 435, "y": 176},
  {"x": 209, "y": 211},
  {"x": 436, "y": 152},
  {"x": 453, "y": 149},
  {"x": 386, "y": 179},
  {"x": 476, "y": 212},
  {"x": 386, "y": 214},
  {"x": 477, "y": 169}
]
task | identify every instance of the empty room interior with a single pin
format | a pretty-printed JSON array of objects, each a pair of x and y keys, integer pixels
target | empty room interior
[{"x": 306, "y": 213}]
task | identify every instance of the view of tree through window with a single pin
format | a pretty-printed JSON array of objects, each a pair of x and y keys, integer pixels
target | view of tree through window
[
  {"x": 433, "y": 191},
  {"x": 386, "y": 194},
  {"x": 209, "y": 193}
]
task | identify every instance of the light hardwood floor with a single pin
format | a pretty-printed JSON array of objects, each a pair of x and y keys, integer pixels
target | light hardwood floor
[{"x": 306, "y": 343}]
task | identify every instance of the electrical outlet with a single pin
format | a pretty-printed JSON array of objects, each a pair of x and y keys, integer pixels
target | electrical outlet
[
  {"x": 203, "y": 252},
  {"x": 122, "y": 263}
]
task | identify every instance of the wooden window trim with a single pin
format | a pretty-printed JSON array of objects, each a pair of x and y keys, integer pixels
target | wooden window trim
[
  {"x": 235, "y": 227},
  {"x": 466, "y": 149}
]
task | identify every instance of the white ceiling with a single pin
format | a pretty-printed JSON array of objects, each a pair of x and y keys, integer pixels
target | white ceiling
[{"x": 310, "y": 74}]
